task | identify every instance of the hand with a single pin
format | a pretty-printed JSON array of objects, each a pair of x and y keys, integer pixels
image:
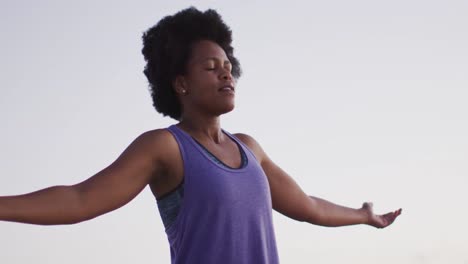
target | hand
[{"x": 379, "y": 221}]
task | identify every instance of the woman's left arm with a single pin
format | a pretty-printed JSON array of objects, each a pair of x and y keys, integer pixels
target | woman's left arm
[{"x": 289, "y": 199}]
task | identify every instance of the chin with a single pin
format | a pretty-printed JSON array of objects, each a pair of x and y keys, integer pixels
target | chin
[{"x": 226, "y": 109}]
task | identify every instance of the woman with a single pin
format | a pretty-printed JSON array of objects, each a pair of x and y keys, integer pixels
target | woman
[{"x": 215, "y": 191}]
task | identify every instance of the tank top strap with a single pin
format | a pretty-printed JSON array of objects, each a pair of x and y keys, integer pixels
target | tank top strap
[
  {"x": 180, "y": 138},
  {"x": 247, "y": 151}
]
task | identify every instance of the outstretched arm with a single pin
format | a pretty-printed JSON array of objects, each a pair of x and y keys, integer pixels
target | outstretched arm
[
  {"x": 107, "y": 190},
  {"x": 290, "y": 200}
]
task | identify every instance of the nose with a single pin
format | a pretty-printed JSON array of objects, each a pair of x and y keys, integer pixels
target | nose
[{"x": 226, "y": 75}]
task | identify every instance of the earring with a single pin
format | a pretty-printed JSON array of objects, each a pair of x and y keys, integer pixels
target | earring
[{"x": 184, "y": 92}]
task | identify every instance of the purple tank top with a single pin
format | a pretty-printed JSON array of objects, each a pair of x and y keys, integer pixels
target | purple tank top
[{"x": 226, "y": 214}]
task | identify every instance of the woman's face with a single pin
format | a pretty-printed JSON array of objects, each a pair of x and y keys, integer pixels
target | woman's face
[{"x": 208, "y": 84}]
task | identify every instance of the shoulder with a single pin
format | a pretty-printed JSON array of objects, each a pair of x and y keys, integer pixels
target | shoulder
[
  {"x": 252, "y": 144},
  {"x": 160, "y": 143},
  {"x": 160, "y": 137},
  {"x": 247, "y": 139},
  {"x": 163, "y": 149}
]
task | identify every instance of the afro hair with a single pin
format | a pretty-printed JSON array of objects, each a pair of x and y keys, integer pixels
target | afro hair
[{"x": 167, "y": 49}]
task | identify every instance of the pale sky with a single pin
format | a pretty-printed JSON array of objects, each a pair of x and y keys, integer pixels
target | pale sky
[{"x": 357, "y": 100}]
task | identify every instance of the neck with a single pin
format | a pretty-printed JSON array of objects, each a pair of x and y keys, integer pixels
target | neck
[{"x": 202, "y": 128}]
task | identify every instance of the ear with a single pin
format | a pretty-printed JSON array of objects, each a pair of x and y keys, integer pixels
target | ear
[{"x": 180, "y": 85}]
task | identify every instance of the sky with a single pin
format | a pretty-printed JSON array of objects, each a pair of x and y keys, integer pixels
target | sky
[{"x": 357, "y": 100}]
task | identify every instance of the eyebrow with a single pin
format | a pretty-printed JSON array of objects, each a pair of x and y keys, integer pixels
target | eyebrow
[{"x": 227, "y": 61}]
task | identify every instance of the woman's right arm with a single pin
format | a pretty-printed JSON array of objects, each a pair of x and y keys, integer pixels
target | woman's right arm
[{"x": 107, "y": 190}]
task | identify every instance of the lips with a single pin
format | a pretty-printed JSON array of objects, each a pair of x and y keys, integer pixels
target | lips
[{"x": 227, "y": 88}]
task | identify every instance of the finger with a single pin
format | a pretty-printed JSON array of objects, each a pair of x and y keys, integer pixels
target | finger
[
  {"x": 390, "y": 217},
  {"x": 397, "y": 213}
]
